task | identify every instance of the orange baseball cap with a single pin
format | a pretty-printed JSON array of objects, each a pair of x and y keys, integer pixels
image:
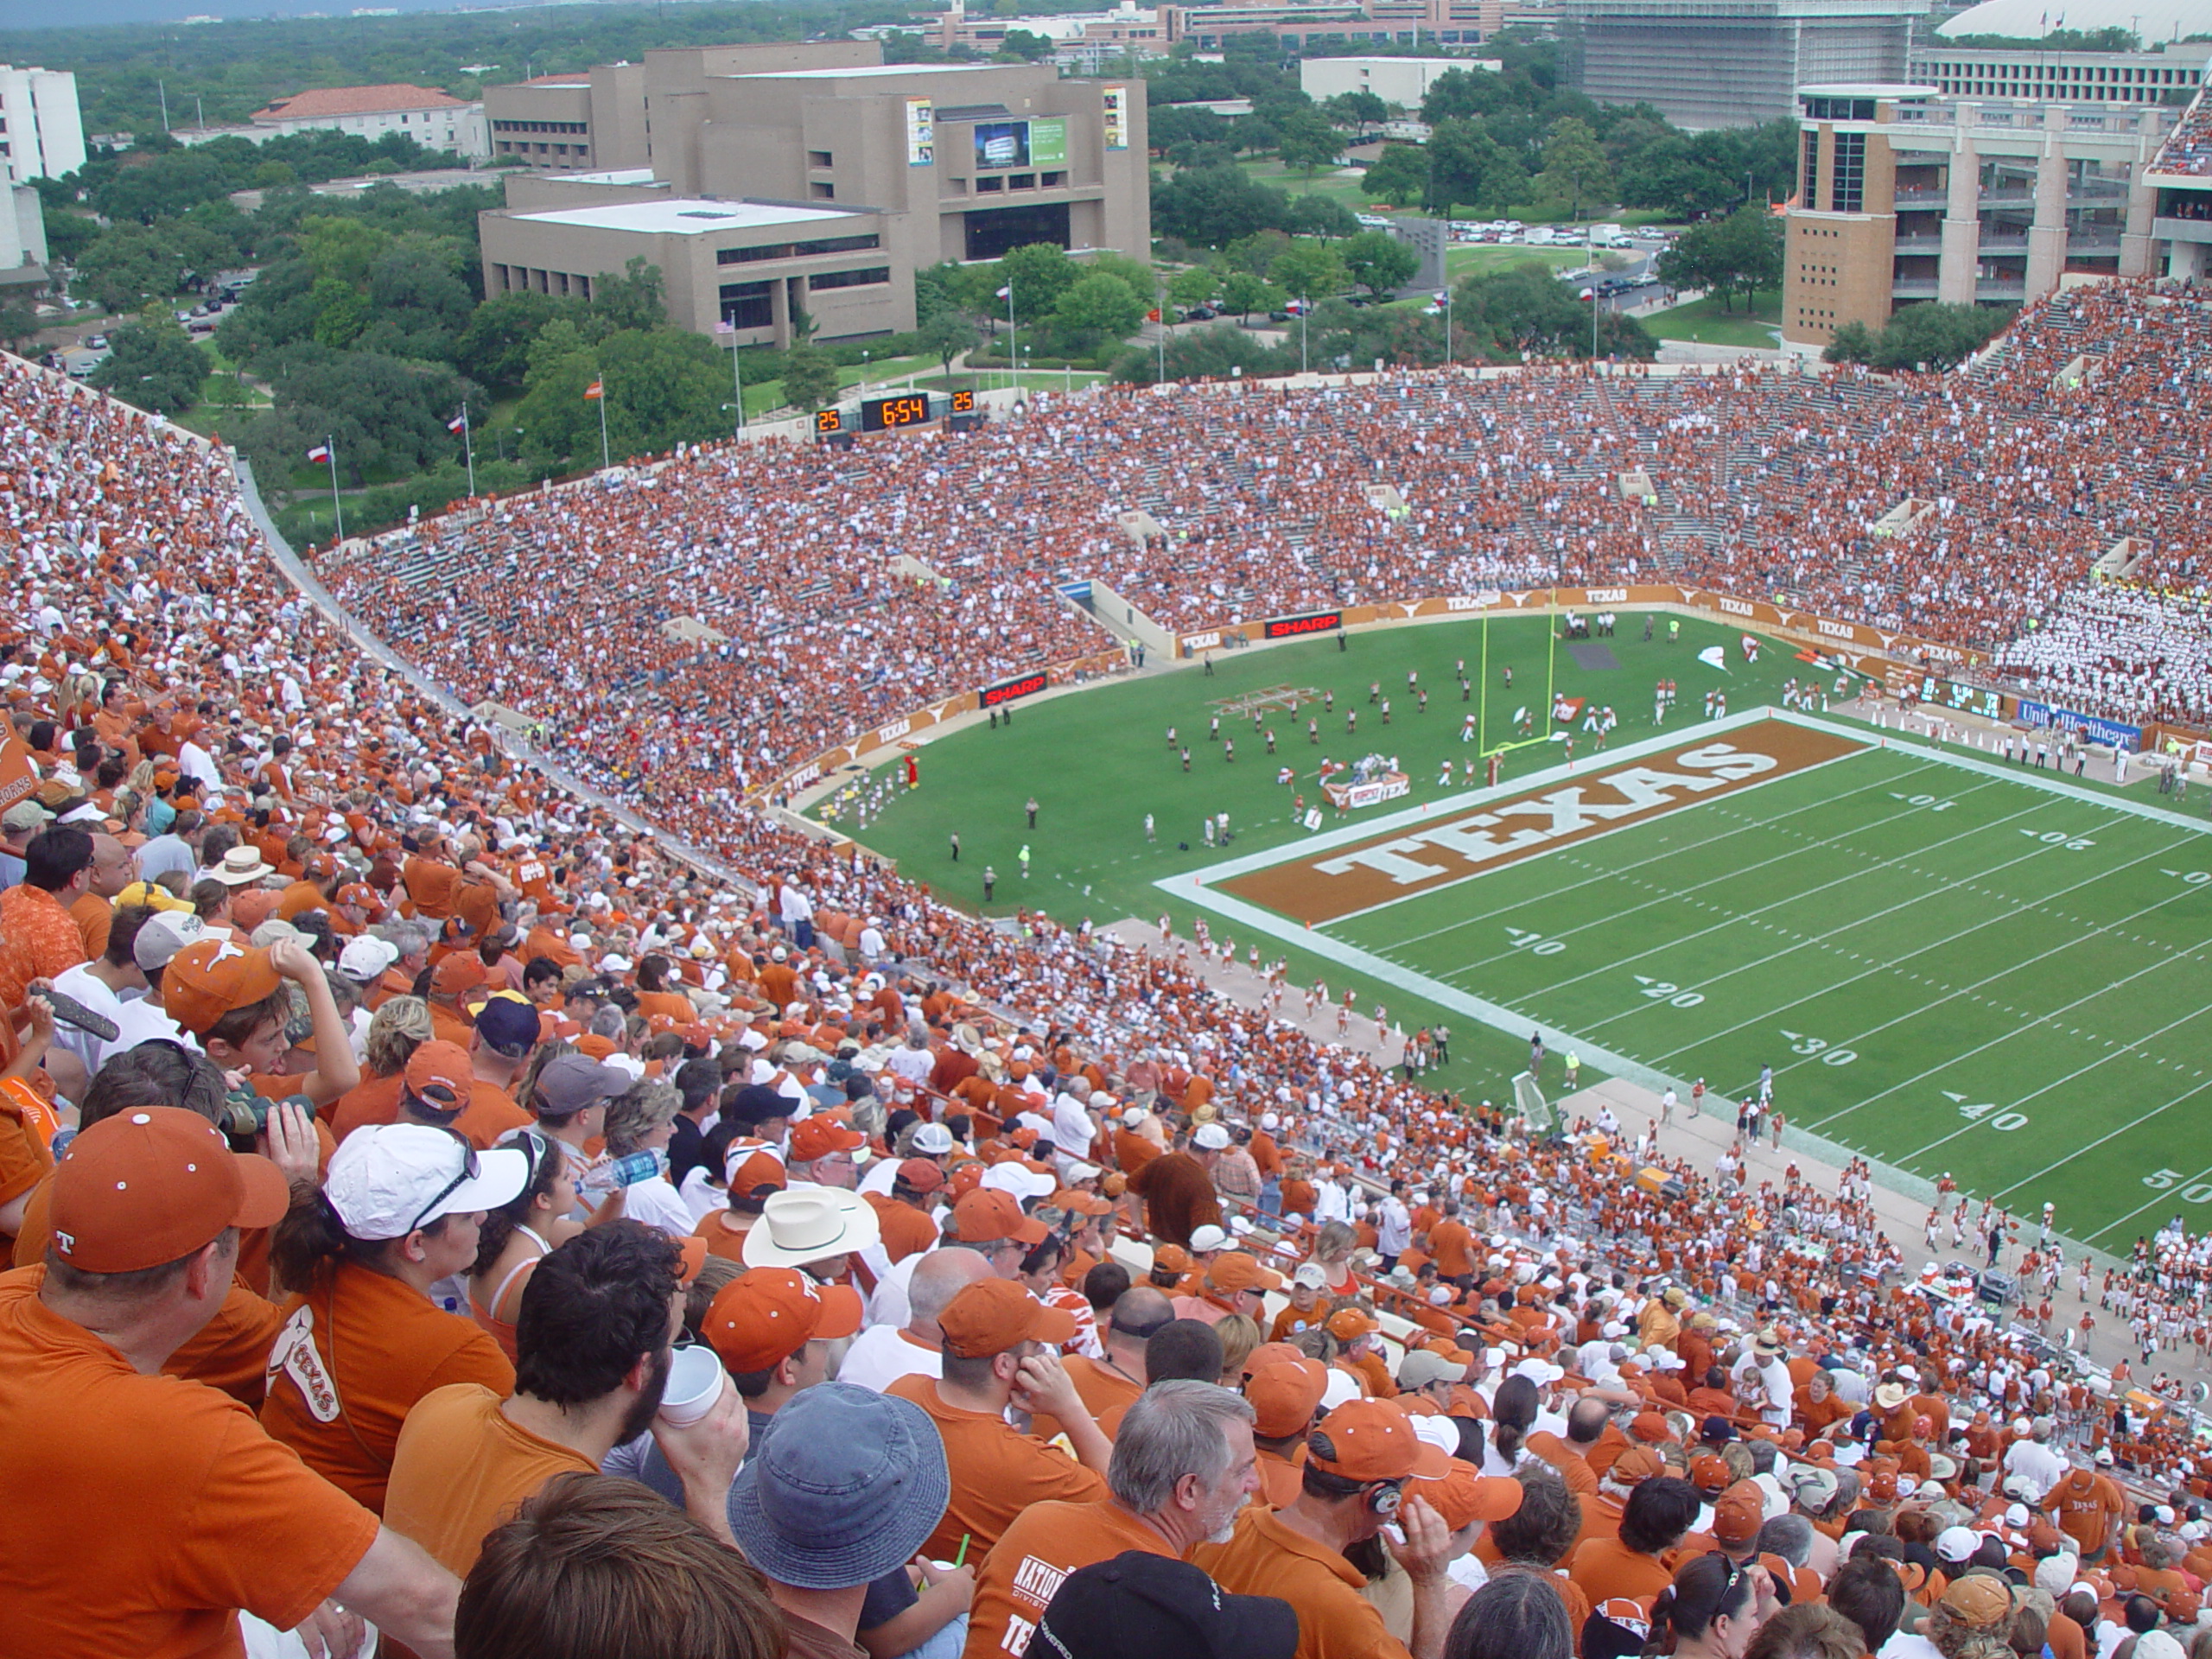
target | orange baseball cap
[
  {"x": 1266, "y": 1354},
  {"x": 1709, "y": 1473},
  {"x": 462, "y": 971},
  {"x": 1350, "y": 1325},
  {"x": 1464, "y": 1494},
  {"x": 1285, "y": 1394},
  {"x": 359, "y": 895},
  {"x": 989, "y": 1216},
  {"x": 1651, "y": 1428},
  {"x": 1740, "y": 1514},
  {"x": 1637, "y": 1464},
  {"x": 819, "y": 1136},
  {"x": 757, "y": 1170},
  {"x": 438, "y": 1073},
  {"x": 147, "y": 1186},
  {"x": 1374, "y": 1439},
  {"x": 1076, "y": 1201},
  {"x": 1241, "y": 1270},
  {"x": 1171, "y": 1258},
  {"x": 992, "y": 1315},
  {"x": 920, "y": 1174},
  {"x": 761, "y": 1319},
  {"x": 204, "y": 982}
]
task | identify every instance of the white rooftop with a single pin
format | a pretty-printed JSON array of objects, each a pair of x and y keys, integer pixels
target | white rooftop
[
  {"x": 622, "y": 176},
  {"x": 683, "y": 216}
]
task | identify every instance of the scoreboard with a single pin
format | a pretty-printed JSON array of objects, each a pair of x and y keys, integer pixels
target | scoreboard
[{"x": 896, "y": 410}]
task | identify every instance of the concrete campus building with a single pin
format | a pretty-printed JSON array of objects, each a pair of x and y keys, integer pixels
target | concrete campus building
[
  {"x": 1731, "y": 63},
  {"x": 1906, "y": 196},
  {"x": 766, "y": 180},
  {"x": 1400, "y": 81},
  {"x": 42, "y": 133},
  {"x": 434, "y": 119}
]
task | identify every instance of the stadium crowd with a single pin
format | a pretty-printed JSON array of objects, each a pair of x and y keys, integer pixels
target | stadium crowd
[
  {"x": 807, "y": 565},
  {"x": 2188, "y": 148},
  {"x": 675, "y": 1268},
  {"x": 2134, "y": 653}
]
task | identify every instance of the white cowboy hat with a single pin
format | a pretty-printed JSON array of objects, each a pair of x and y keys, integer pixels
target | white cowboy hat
[{"x": 809, "y": 1223}]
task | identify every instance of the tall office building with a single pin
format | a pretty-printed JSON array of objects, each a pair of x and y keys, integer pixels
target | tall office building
[
  {"x": 41, "y": 135},
  {"x": 1905, "y": 195},
  {"x": 1731, "y": 63}
]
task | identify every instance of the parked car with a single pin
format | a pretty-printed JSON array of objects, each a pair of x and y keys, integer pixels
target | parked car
[{"x": 1200, "y": 314}]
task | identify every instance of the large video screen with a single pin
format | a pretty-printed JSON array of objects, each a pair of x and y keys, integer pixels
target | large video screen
[{"x": 1002, "y": 143}]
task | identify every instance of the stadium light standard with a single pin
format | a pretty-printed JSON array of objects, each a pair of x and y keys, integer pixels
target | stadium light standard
[
  {"x": 727, "y": 326},
  {"x": 1304, "y": 308},
  {"x": 1444, "y": 299}
]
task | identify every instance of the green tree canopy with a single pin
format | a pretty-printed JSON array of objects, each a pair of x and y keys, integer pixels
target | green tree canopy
[
  {"x": 152, "y": 365},
  {"x": 1379, "y": 262},
  {"x": 1399, "y": 175}
]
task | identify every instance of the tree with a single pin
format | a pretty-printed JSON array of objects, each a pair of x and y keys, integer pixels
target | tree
[
  {"x": 1304, "y": 140},
  {"x": 1357, "y": 110},
  {"x": 1318, "y": 215},
  {"x": 810, "y": 379},
  {"x": 1459, "y": 93},
  {"x": 1468, "y": 166},
  {"x": 1099, "y": 306},
  {"x": 129, "y": 264},
  {"x": 387, "y": 415},
  {"x": 153, "y": 366},
  {"x": 948, "y": 333},
  {"x": 1022, "y": 47},
  {"x": 1379, "y": 262},
  {"x": 1853, "y": 342},
  {"x": 1244, "y": 293},
  {"x": 1193, "y": 287},
  {"x": 1741, "y": 253},
  {"x": 1575, "y": 168},
  {"x": 633, "y": 300},
  {"x": 493, "y": 349},
  {"x": 1935, "y": 337},
  {"x": 1212, "y": 206},
  {"x": 18, "y": 323},
  {"x": 1257, "y": 252},
  {"x": 1039, "y": 273},
  {"x": 1399, "y": 175},
  {"x": 1312, "y": 270}
]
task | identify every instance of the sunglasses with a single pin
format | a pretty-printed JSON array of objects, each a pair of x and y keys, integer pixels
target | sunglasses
[{"x": 468, "y": 1168}]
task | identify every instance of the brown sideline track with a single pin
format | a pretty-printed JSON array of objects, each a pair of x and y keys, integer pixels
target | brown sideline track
[{"x": 1422, "y": 857}]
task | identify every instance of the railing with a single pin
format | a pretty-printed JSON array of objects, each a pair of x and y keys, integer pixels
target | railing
[{"x": 1987, "y": 289}]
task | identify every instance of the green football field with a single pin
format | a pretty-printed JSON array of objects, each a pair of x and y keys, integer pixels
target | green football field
[{"x": 1952, "y": 964}]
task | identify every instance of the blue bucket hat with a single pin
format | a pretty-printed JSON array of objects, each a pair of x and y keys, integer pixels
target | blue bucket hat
[{"x": 850, "y": 1484}]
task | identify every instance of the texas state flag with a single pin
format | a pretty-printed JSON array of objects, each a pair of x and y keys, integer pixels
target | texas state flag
[{"x": 321, "y": 452}]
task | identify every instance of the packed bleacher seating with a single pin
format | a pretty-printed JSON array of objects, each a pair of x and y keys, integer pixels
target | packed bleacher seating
[
  {"x": 2125, "y": 653},
  {"x": 570, "y": 1095},
  {"x": 1770, "y": 484},
  {"x": 2188, "y": 148}
]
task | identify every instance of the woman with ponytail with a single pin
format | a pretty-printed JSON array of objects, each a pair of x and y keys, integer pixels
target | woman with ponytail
[{"x": 1711, "y": 1610}]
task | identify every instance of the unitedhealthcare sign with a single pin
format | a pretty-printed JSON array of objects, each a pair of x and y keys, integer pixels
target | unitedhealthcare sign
[{"x": 2097, "y": 728}]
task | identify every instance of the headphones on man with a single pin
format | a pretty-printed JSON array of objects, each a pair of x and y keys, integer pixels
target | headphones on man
[{"x": 1385, "y": 1497}]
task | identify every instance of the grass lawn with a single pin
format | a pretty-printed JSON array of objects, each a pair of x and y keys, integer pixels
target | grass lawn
[
  {"x": 1951, "y": 964},
  {"x": 1482, "y": 259},
  {"x": 1706, "y": 322},
  {"x": 1345, "y": 185}
]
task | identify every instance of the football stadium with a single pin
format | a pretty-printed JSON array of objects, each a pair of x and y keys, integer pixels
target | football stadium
[{"x": 1601, "y": 964}]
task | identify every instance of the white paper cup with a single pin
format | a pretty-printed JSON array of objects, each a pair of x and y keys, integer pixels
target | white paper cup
[{"x": 695, "y": 1381}]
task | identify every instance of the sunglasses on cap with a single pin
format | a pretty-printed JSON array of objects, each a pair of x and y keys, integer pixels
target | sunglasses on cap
[{"x": 468, "y": 1171}]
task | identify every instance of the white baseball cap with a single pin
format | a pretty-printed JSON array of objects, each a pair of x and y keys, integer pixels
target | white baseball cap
[
  {"x": 931, "y": 1140},
  {"x": 387, "y": 1180},
  {"x": 1212, "y": 1137},
  {"x": 1209, "y": 1237},
  {"x": 364, "y": 958},
  {"x": 165, "y": 932}
]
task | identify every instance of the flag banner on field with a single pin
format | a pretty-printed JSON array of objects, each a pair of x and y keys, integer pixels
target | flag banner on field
[
  {"x": 1153, "y": 315},
  {"x": 1566, "y": 707},
  {"x": 458, "y": 422},
  {"x": 1828, "y": 664},
  {"x": 594, "y": 390},
  {"x": 1714, "y": 657},
  {"x": 1006, "y": 293},
  {"x": 321, "y": 452}
]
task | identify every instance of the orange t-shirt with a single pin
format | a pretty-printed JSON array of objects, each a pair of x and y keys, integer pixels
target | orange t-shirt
[
  {"x": 1281, "y": 1479},
  {"x": 1108, "y": 1393},
  {"x": 223, "y": 1517},
  {"x": 24, "y": 1161},
  {"x": 1604, "y": 1567},
  {"x": 997, "y": 1472},
  {"x": 350, "y": 1362},
  {"x": 907, "y": 1231},
  {"x": 1046, "y": 1543},
  {"x": 461, "y": 1468},
  {"x": 1452, "y": 1245},
  {"x": 2086, "y": 1505},
  {"x": 1264, "y": 1557}
]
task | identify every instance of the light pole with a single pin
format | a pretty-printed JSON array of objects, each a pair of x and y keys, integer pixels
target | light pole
[
  {"x": 1305, "y": 309},
  {"x": 1444, "y": 299}
]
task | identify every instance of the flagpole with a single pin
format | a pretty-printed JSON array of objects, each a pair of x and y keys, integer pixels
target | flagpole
[
  {"x": 604, "y": 463},
  {"x": 337, "y": 510},
  {"x": 1012, "y": 357},
  {"x": 468, "y": 447}
]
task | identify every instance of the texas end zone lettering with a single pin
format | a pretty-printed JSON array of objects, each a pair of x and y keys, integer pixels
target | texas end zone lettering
[
  {"x": 1290, "y": 627},
  {"x": 1502, "y": 832},
  {"x": 1022, "y": 686}
]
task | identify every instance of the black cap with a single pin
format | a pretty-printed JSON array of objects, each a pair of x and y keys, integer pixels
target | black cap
[
  {"x": 1140, "y": 1603},
  {"x": 1717, "y": 1430},
  {"x": 757, "y": 1103}
]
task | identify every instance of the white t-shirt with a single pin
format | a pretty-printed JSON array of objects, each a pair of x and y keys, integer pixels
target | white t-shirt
[
  {"x": 1072, "y": 1128},
  {"x": 657, "y": 1204},
  {"x": 882, "y": 1354},
  {"x": 889, "y": 1306},
  {"x": 81, "y": 983},
  {"x": 2037, "y": 1461},
  {"x": 141, "y": 1022}
]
